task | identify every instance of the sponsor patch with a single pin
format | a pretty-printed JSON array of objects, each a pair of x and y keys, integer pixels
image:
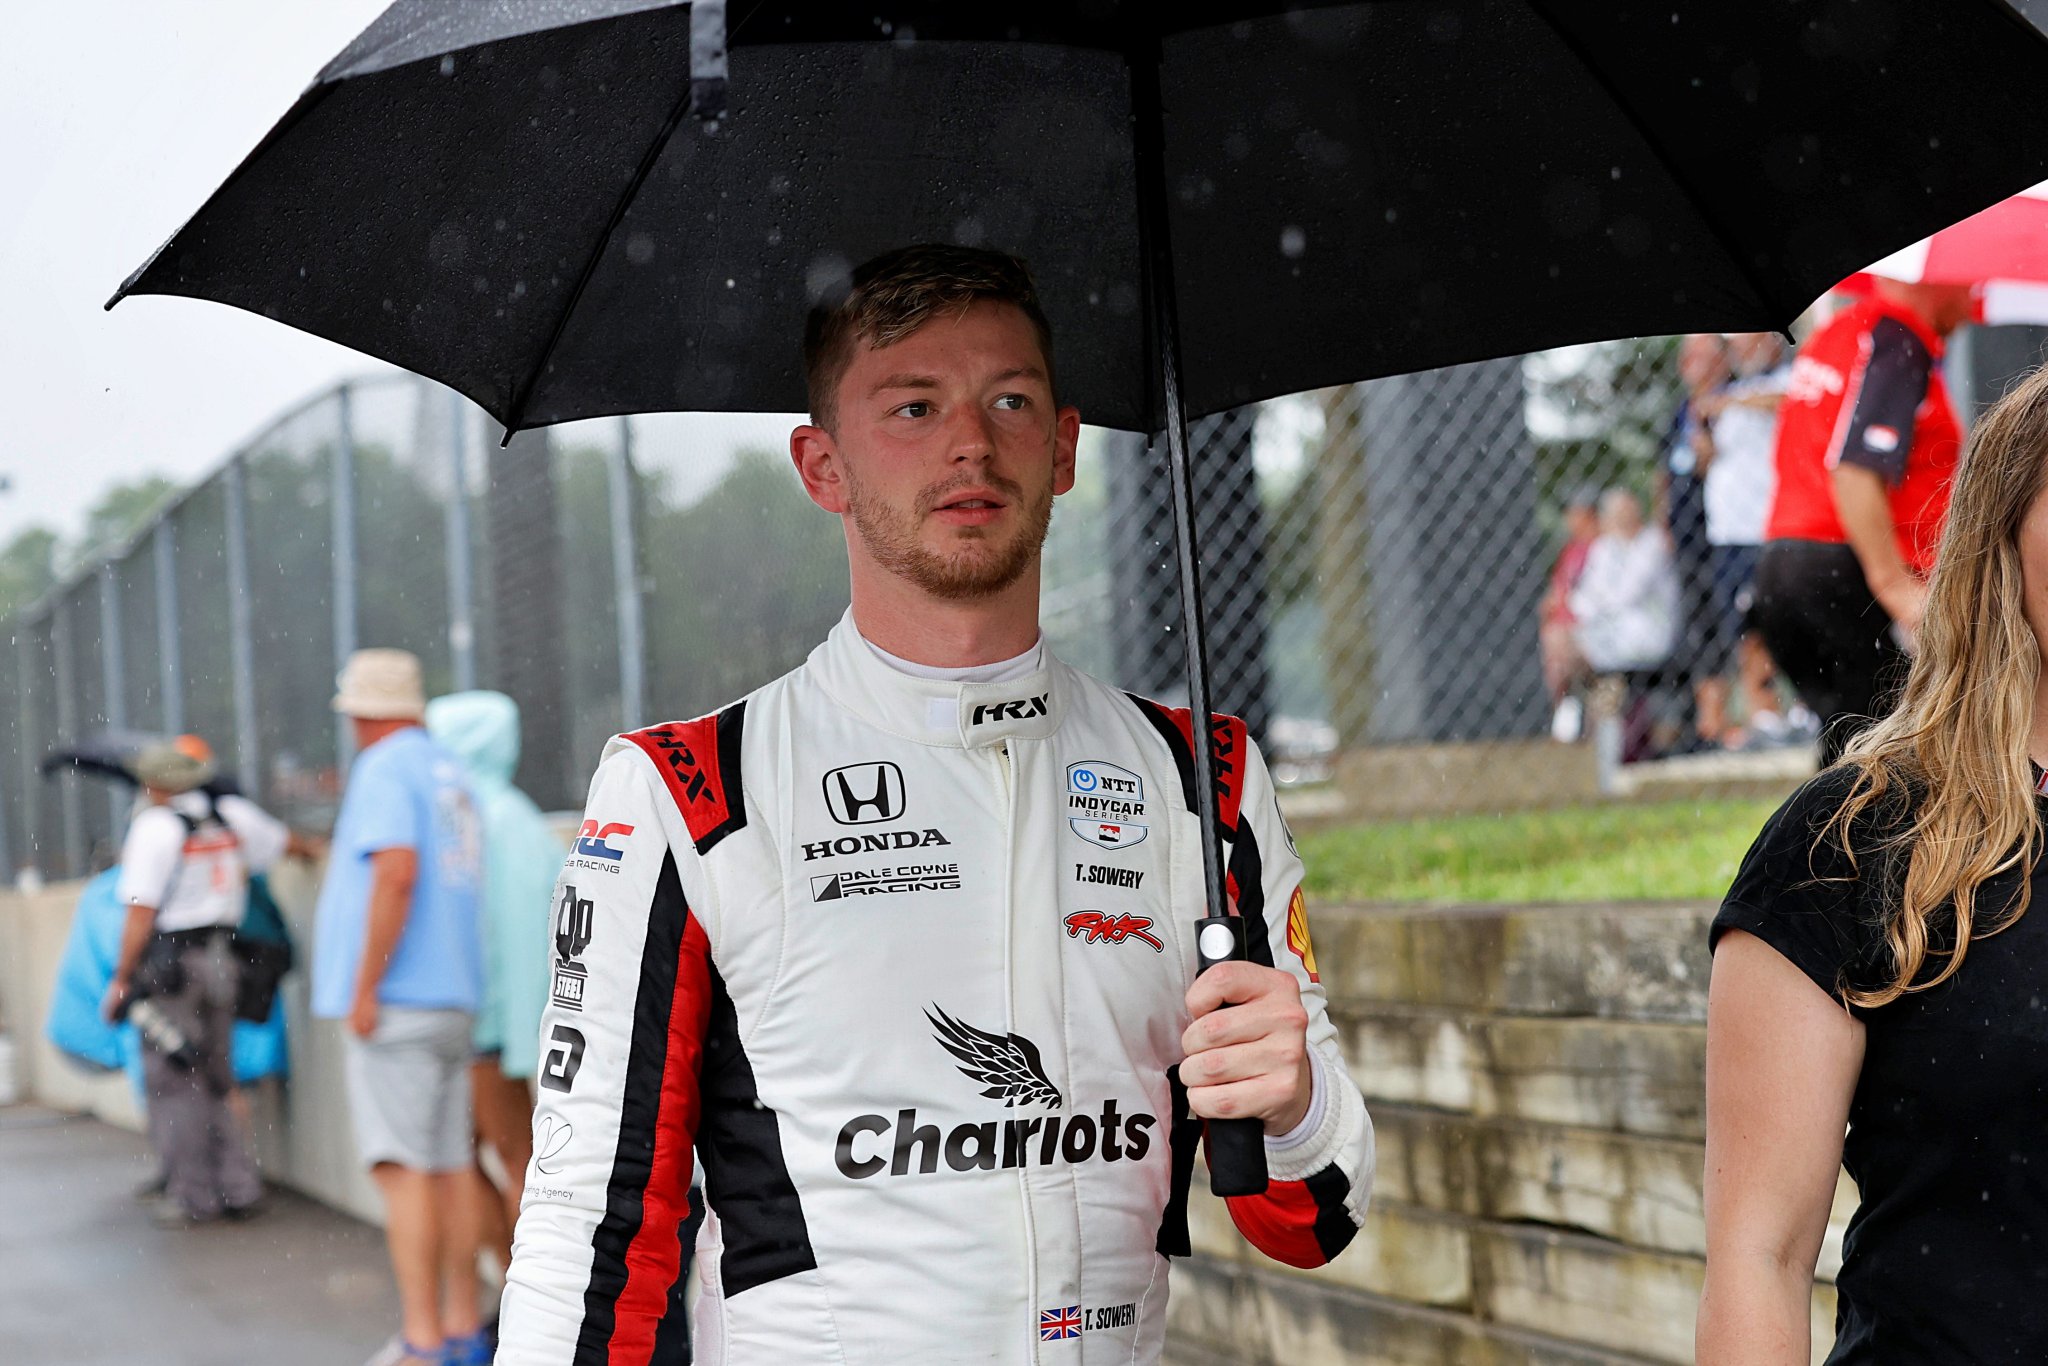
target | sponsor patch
[
  {"x": 551, "y": 1134},
  {"x": 876, "y": 842},
  {"x": 1005, "y": 1067},
  {"x": 1023, "y": 709},
  {"x": 564, "y": 1059},
  {"x": 574, "y": 918},
  {"x": 913, "y": 877},
  {"x": 567, "y": 991},
  {"x": 1112, "y": 929},
  {"x": 1883, "y": 440},
  {"x": 1071, "y": 1321},
  {"x": 1057, "y": 1325},
  {"x": 1105, "y": 804},
  {"x": 864, "y": 794},
  {"x": 595, "y": 840},
  {"x": 1297, "y": 934}
]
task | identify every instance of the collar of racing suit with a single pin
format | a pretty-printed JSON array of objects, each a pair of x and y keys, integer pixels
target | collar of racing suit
[{"x": 934, "y": 711}]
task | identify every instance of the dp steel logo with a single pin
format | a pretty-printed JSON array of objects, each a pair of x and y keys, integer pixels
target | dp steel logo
[{"x": 864, "y": 794}]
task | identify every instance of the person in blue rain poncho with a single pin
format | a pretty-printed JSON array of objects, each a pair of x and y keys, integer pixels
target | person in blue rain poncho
[{"x": 522, "y": 857}]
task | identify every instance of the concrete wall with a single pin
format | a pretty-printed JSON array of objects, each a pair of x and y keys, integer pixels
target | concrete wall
[
  {"x": 302, "y": 1131},
  {"x": 1536, "y": 1076}
]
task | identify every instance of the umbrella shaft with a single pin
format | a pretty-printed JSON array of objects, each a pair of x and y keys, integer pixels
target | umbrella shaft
[{"x": 1156, "y": 251}]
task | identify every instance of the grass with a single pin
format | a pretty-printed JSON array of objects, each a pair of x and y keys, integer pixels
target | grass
[{"x": 1681, "y": 849}]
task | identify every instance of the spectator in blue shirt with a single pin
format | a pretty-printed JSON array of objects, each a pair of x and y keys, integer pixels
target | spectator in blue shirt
[{"x": 398, "y": 955}]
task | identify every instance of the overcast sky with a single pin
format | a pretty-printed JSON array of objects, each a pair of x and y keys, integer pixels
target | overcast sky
[{"x": 119, "y": 117}]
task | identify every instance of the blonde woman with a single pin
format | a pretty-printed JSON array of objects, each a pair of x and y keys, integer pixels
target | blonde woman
[{"x": 1876, "y": 974}]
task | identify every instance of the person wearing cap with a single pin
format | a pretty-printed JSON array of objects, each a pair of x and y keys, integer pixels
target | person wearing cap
[
  {"x": 398, "y": 956},
  {"x": 185, "y": 866}
]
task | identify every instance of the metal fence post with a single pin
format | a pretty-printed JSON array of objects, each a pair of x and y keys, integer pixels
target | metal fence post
[
  {"x": 344, "y": 537},
  {"x": 31, "y": 784},
  {"x": 241, "y": 632},
  {"x": 64, "y": 662},
  {"x": 461, "y": 591},
  {"x": 171, "y": 668},
  {"x": 113, "y": 673},
  {"x": 626, "y": 582}
]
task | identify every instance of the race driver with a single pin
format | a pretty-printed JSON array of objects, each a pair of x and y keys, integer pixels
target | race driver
[
  {"x": 901, "y": 943},
  {"x": 1867, "y": 445}
]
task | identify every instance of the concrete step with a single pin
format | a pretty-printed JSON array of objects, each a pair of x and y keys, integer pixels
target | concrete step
[
  {"x": 1633, "y": 961},
  {"x": 1644, "y": 1192},
  {"x": 1231, "y": 1315},
  {"x": 1626, "y": 1076},
  {"x": 1479, "y": 1275}
]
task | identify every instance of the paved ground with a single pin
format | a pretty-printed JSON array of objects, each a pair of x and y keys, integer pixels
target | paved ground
[{"x": 86, "y": 1280}]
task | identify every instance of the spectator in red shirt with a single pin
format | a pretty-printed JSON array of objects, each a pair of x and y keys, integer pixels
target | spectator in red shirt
[{"x": 1867, "y": 443}]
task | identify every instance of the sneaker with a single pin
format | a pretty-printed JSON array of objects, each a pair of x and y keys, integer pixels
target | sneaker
[
  {"x": 241, "y": 1214},
  {"x": 1566, "y": 722},
  {"x": 474, "y": 1350},
  {"x": 399, "y": 1352},
  {"x": 153, "y": 1189}
]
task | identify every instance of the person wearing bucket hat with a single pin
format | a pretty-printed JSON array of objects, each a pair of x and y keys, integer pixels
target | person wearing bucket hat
[
  {"x": 185, "y": 866},
  {"x": 398, "y": 957}
]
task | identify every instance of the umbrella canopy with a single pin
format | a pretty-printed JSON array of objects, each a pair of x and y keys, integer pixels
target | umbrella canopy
[
  {"x": 516, "y": 199},
  {"x": 104, "y": 754},
  {"x": 2003, "y": 251}
]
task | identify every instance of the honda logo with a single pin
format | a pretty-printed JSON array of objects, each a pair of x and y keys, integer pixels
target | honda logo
[{"x": 863, "y": 794}]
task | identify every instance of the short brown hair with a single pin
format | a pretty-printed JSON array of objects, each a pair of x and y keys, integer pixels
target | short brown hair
[{"x": 896, "y": 293}]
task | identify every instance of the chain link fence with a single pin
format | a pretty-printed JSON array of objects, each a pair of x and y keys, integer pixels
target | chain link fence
[{"x": 1375, "y": 557}]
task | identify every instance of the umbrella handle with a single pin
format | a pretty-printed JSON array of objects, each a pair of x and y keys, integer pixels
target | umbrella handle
[{"x": 1237, "y": 1147}]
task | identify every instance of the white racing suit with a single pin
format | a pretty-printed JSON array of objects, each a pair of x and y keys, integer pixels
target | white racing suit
[{"x": 904, "y": 961}]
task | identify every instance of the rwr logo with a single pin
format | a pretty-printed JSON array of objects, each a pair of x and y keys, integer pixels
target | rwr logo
[{"x": 1020, "y": 710}]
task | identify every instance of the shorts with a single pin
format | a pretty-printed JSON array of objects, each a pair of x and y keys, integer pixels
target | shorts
[
  {"x": 408, "y": 1089},
  {"x": 1734, "y": 592},
  {"x": 1829, "y": 636}
]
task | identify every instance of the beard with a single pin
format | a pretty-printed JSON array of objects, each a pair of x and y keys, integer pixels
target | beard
[{"x": 981, "y": 563}]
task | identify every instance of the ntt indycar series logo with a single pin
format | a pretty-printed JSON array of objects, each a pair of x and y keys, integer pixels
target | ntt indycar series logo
[
  {"x": 1006, "y": 1068},
  {"x": 1105, "y": 804}
]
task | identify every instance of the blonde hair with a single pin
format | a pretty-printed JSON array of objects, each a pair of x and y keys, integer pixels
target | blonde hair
[{"x": 1954, "y": 751}]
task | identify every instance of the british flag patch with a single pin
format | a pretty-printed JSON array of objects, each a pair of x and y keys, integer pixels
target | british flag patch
[{"x": 1055, "y": 1324}]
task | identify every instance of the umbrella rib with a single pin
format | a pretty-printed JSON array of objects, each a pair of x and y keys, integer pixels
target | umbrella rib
[
  {"x": 515, "y": 415},
  {"x": 1699, "y": 206}
]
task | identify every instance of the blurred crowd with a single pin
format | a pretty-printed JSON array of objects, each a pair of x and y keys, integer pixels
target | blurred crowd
[{"x": 1769, "y": 593}]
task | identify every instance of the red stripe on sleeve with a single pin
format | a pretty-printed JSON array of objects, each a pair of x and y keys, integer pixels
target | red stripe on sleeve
[
  {"x": 1281, "y": 1223},
  {"x": 654, "y": 1257}
]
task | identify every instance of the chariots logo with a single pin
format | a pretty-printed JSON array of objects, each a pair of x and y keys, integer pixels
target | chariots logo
[
  {"x": 1004, "y": 1067},
  {"x": 1105, "y": 804}
]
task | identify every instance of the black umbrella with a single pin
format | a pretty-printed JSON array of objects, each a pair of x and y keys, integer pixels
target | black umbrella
[
  {"x": 109, "y": 754},
  {"x": 591, "y": 207}
]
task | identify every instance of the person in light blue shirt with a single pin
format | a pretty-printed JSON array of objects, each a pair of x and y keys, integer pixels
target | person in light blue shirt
[{"x": 398, "y": 955}]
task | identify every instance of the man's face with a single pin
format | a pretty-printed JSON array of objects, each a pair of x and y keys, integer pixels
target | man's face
[
  {"x": 1702, "y": 361},
  {"x": 946, "y": 453}
]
